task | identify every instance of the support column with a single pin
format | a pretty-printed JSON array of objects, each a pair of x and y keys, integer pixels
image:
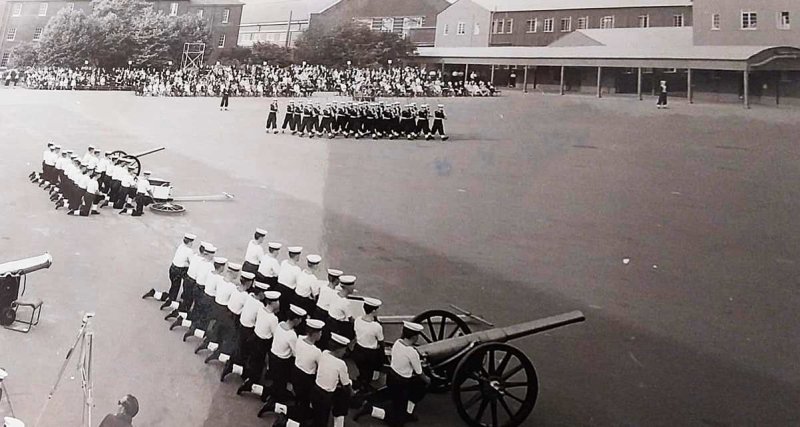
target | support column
[
  {"x": 466, "y": 72},
  {"x": 525, "y": 80},
  {"x": 599, "y": 82},
  {"x": 639, "y": 83},
  {"x": 778, "y": 88},
  {"x": 561, "y": 88},
  {"x": 442, "y": 68},
  {"x": 491, "y": 79},
  {"x": 746, "y": 76},
  {"x": 689, "y": 92},
  {"x": 535, "y": 69}
]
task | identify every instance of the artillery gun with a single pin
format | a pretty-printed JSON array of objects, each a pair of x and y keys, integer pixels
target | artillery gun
[{"x": 492, "y": 383}]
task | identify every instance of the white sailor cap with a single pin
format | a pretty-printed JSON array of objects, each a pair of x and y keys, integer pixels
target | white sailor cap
[
  {"x": 262, "y": 286},
  {"x": 91, "y": 147},
  {"x": 315, "y": 324},
  {"x": 372, "y": 302},
  {"x": 340, "y": 339},
  {"x": 411, "y": 326},
  {"x": 261, "y": 231},
  {"x": 440, "y": 106},
  {"x": 96, "y": 149},
  {"x": 347, "y": 280},
  {"x": 220, "y": 260},
  {"x": 146, "y": 173},
  {"x": 210, "y": 248},
  {"x": 334, "y": 272},
  {"x": 58, "y": 147},
  {"x": 234, "y": 266},
  {"x": 275, "y": 99},
  {"x": 68, "y": 151},
  {"x": 295, "y": 249},
  {"x": 50, "y": 144},
  {"x": 204, "y": 243},
  {"x": 275, "y": 245},
  {"x": 297, "y": 310},
  {"x": 189, "y": 236},
  {"x": 313, "y": 259},
  {"x": 248, "y": 275},
  {"x": 272, "y": 295}
]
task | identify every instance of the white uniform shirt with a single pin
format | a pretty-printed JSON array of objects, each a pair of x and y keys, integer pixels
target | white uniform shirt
[
  {"x": 305, "y": 283},
  {"x": 287, "y": 276},
  {"x": 283, "y": 342},
  {"x": 306, "y": 356},
  {"x": 269, "y": 267},
  {"x": 331, "y": 372},
  {"x": 203, "y": 271},
  {"x": 266, "y": 322},
  {"x": 184, "y": 257},
  {"x": 143, "y": 185},
  {"x": 339, "y": 308},
  {"x": 117, "y": 172},
  {"x": 326, "y": 297},
  {"x": 102, "y": 164},
  {"x": 86, "y": 157},
  {"x": 250, "y": 311},
  {"x": 368, "y": 334},
  {"x": 224, "y": 291},
  {"x": 92, "y": 186},
  {"x": 49, "y": 158},
  {"x": 127, "y": 181},
  {"x": 254, "y": 254},
  {"x": 81, "y": 181},
  {"x": 405, "y": 360},
  {"x": 212, "y": 281},
  {"x": 236, "y": 301},
  {"x": 60, "y": 163}
]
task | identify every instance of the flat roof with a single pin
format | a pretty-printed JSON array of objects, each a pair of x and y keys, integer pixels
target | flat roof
[{"x": 537, "y": 5}]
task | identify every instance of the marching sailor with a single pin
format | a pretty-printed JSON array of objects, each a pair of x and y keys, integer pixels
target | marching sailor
[
  {"x": 178, "y": 267},
  {"x": 339, "y": 312},
  {"x": 287, "y": 278},
  {"x": 269, "y": 267},
  {"x": 255, "y": 252},
  {"x": 368, "y": 353},
  {"x": 438, "y": 123},
  {"x": 272, "y": 117},
  {"x": 307, "y": 285}
]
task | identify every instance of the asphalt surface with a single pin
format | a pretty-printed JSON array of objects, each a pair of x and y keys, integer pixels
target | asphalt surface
[{"x": 529, "y": 211}]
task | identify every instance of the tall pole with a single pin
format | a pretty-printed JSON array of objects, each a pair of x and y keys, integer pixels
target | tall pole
[
  {"x": 466, "y": 72},
  {"x": 561, "y": 88},
  {"x": 599, "y": 82},
  {"x": 491, "y": 79},
  {"x": 639, "y": 82},
  {"x": 525, "y": 80},
  {"x": 689, "y": 93},
  {"x": 746, "y": 76},
  {"x": 288, "y": 30}
]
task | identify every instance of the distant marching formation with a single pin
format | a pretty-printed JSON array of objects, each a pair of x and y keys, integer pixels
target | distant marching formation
[
  {"x": 359, "y": 119},
  {"x": 275, "y": 323},
  {"x": 82, "y": 185}
]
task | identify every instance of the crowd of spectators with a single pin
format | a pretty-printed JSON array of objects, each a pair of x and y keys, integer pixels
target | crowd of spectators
[{"x": 257, "y": 80}]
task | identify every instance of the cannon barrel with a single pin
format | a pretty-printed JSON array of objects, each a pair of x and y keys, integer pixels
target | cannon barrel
[
  {"x": 451, "y": 346},
  {"x": 26, "y": 265},
  {"x": 151, "y": 151}
]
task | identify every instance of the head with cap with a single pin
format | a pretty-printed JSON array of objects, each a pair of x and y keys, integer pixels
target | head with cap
[
  {"x": 208, "y": 251},
  {"x": 274, "y": 248},
  {"x": 371, "y": 305},
  {"x": 333, "y": 277},
  {"x": 259, "y": 235},
  {"x": 313, "y": 261},
  {"x": 347, "y": 284},
  {"x": 338, "y": 344},
  {"x": 188, "y": 239},
  {"x": 219, "y": 264},
  {"x": 295, "y": 316},
  {"x": 128, "y": 406},
  {"x": 294, "y": 253},
  {"x": 314, "y": 329},
  {"x": 146, "y": 174},
  {"x": 272, "y": 300},
  {"x": 246, "y": 280},
  {"x": 233, "y": 271},
  {"x": 410, "y": 333}
]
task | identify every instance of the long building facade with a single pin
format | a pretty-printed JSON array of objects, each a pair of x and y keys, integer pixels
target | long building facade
[
  {"x": 24, "y": 21},
  {"x": 747, "y": 22}
]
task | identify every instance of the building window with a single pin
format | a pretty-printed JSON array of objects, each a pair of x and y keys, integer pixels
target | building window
[
  {"x": 501, "y": 26},
  {"x": 477, "y": 29},
  {"x": 4, "y": 59},
  {"x": 221, "y": 42},
  {"x": 509, "y": 26},
  {"x": 226, "y": 15},
  {"x": 173, "y": 9},
  {"x": 533, "y": 25},
  {"x": 200, "y": 13},
  {"x": 387, "y": 25},
  {"x": 461, "y": 29},
  {"x": 445, "y": 29},
  {"x": 548, "y": 25},
  {"x": 494, "y": 26},
  {"x": 17, "y": 9},
  {"x": 607, "y": 22},
  {"x": 783, "y": 21},
  {"x": 11, "y": 34},
  {"x": 715, "y": 21},
  {"x": 583, "y": 23},
  {"x": 43, "y": 9},
  {"x": 749, "y": 20},
  {"x": 566, "y": 25},
  {"x": 677, "y": 20},
  {"x": 644, "y": 21},
  {"x": 37, "y": 34}
]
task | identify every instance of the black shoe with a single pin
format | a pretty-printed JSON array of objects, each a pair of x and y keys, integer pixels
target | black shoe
[
  {"x": 188, "y": 333},
  {"x": 149, "y": 294},
  {"x": 178, "y": 321},
  {"x": 267, "y": 407},
  {"x": 203, "y": 346},
  {"x": 166, "y": 304},
  {"x": 137, "y": 214},
  {"x": 213, "y": 356},
  {"x": 246, "y": 387},
  {"x": 226, "y": 370},
  {"x": 173, "y": 313},
  {"x": 365, "y": 409}
]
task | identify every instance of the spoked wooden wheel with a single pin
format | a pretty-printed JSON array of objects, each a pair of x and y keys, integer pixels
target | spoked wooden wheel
[
  {"x": 440, "y": 325},
  {"x": 495, "y": 385},
  {"x": 167, "y": 208},
  {"x": 131, "y": 159}
]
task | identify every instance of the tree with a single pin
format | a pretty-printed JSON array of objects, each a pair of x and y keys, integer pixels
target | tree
[
  {"x": 351, "y": 42},
  {"x": 272, "y": 54}
]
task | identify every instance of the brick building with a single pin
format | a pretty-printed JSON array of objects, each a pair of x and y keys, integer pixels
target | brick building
[
  {"x": 415, "y": 19},
  {"x": 747, "y": 22},
  {"x": 24, "y": 20},
  {"x": 483, "y": 23}
]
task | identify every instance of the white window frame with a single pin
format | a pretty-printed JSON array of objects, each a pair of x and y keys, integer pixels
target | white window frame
[
  {"x": 678, "y": 19},
  {"x": 494, "y": 25},
  {"x": 532, "y": 28},
  {"x": 461, "y": 28},
  {"x": 569, "y": 24},
  {"x": 551, "y": 22},
  {"x": 11, "y": 34},
  {"x": 784, "y": 24},
  {"x": 643, "y": 19},
  {"x": 752, "y": 20},
  {"x": 4, "y": 60},
  {"x": 501, "y": 26},
  {"x": 173, "y": 9},
  {"x": 17, "y": 10},
  {"x": 446, "y": 29},
  {"x": 509, "y": 26},
  {"x": 42, "y": 9},
  {"x": 716, "y": 20},
  {"x": 37, "y": 33},
  {"x": 476, "y": 29},
  {"x": 226, "y": 15},
  {"x": 201, "y": 12},
  {"x": 221, "y": 41},
  {"x": 605, "y": 19},
  {"x": 585, "y": 23}
]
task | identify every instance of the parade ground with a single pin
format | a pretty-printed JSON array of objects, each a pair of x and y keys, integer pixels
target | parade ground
[{"x": 675, "y": 231}]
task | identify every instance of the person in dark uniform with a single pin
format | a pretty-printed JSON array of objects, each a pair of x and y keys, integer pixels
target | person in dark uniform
[
  {"x": 288, "y": 118},
  {"x": 423, "y": 126},
  {"x": 662, "y": 95},
  {"x": 226, "y": 93},
  {"x": 326, "y": 124},
  {"x": 272, "y": 117},
  {"x": 438, "y": 123},
  {"x": 368, "y": 354},
  {"x": 297, "y": 118},
  {"x": 128, "y": 408},
  {"x": 333, "y": 385},
  {"x": 304, "y": 372},
  {"x": 281, "y": 358}
]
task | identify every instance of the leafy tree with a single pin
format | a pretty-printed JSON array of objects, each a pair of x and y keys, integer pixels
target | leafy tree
[
  {"x": 271, "y": 53},
  {"x": 351, "y": 42}
]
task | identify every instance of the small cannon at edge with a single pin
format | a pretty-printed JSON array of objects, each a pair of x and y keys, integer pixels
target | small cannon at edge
[{"x": 134, "y": 158}]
